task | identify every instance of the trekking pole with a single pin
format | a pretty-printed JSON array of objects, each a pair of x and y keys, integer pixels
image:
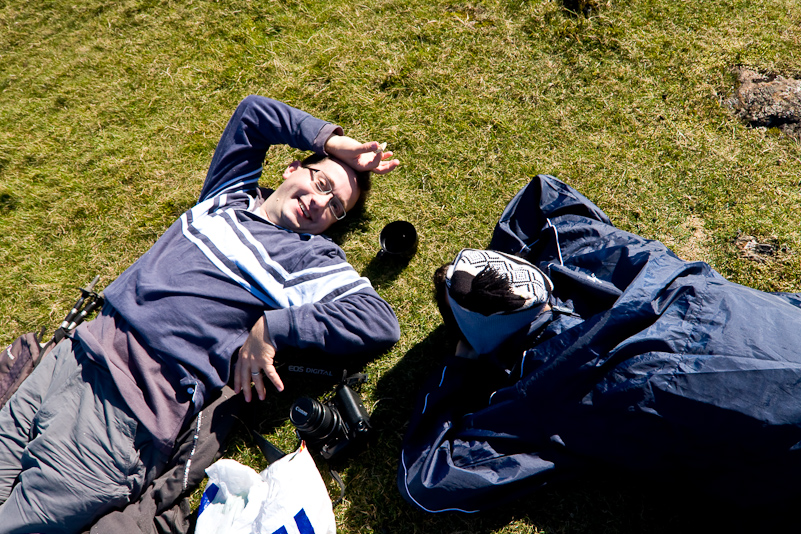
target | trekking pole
[
  {"x": 95, "y": 303},
  {"x": 86, "y": 292},
  {"x": 69, "y": 321}
]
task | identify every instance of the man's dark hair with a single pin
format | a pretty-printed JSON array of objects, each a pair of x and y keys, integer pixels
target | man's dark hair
[
  {"x": 487, "y": 293},
  {"x": 363, "y": 178}
]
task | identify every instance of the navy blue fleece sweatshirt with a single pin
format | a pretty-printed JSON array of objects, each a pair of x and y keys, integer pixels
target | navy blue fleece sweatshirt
[{"x": 179, "y": 313}]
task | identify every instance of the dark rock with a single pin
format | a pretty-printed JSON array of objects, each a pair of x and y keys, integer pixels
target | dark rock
[
  {"x": 768, "y": 100},
  {"x": 753, "y": 250}
]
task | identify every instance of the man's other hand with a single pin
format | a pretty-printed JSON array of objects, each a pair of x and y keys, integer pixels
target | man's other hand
[{"x": 256, "y": 360}]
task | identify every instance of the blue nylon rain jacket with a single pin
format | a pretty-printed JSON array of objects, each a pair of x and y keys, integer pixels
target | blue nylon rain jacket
[{"x": 651, "y": 365}]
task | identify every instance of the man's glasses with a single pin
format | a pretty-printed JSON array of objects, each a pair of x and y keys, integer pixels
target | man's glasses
[{"x": 324, "y": 186}]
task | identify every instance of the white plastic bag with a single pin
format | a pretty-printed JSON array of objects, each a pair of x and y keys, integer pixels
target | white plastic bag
[{"x": 289, "y": 497}]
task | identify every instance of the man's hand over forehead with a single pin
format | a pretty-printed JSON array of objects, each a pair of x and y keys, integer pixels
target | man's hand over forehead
[{"x": 361, "y": 156}]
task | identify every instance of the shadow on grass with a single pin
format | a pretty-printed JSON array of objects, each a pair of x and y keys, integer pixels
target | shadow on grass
[
  {"x": 357, "y": 221},
  {"x": 384, "y": 269},
  {"x": 595, "y": 504}
]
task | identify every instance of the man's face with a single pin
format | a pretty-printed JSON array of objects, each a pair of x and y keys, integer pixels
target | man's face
[{"x": 300, "y": 206}]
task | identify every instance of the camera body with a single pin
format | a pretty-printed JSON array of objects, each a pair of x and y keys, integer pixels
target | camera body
[{"x": 333, "y": 425}]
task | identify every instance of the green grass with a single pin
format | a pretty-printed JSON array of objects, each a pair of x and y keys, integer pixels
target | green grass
[{"x": 110, "y": 112}]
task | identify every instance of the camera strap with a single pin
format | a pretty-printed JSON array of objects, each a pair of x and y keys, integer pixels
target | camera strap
[
  {"x": 272, "y": 453},
  {"x": 340, "y": 483},
  {"x": 356, "y": 379}
]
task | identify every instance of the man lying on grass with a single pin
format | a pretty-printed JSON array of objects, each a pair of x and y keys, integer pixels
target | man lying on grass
[{"x": 242, "y": 272}]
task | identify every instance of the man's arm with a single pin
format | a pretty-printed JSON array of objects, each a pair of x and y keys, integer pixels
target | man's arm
[
  {"x": 357, "y": 323},
  {"x": 256, "y": 125}
]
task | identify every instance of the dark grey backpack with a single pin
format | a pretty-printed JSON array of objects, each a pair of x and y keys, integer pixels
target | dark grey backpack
[
  {"x": 17, "y": 362},
  {"x": 20, "y": 358}
]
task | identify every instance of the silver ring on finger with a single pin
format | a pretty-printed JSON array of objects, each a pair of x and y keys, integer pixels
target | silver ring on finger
[{"x": 257, "y": 373}]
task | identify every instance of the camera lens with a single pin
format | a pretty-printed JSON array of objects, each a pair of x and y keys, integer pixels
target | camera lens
[{"x": 314, "y": 420}]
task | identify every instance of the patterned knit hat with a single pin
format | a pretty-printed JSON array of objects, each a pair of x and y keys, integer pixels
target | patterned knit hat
[{"x": 493, "y": 295}]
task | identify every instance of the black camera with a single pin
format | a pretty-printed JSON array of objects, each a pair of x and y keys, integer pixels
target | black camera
[{"x": 333, "y": 425}]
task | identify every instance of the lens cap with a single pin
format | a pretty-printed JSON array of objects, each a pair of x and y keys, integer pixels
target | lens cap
[{"x": 398, "y": 239}]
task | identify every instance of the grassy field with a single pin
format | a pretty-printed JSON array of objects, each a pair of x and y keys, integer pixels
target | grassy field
[{"x": 110, "y": 112}]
